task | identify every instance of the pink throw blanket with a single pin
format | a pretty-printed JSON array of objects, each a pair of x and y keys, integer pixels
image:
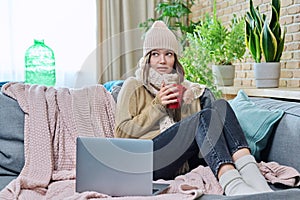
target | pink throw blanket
[
  {"x": 276, "y": 173},
  {"x": 53, "y": 120}
]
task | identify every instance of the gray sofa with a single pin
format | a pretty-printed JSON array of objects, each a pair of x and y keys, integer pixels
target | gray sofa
[{"x": 283, "y": 145}]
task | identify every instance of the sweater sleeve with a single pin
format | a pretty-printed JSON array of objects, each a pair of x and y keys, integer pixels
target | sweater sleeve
[{"x": 137, "y": 113}]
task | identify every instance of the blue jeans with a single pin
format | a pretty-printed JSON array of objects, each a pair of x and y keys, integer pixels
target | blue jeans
[{"x": 210, "y": 137}]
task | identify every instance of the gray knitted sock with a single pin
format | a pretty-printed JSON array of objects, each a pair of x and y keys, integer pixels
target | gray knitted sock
[
  {"x": 233, "y": 184},
  {"x": 251, "y": 174}
]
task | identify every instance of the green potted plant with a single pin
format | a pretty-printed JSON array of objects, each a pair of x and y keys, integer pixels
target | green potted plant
[
  {"x": 265, "y": 41},
  {"x": 221, "y": 46},
  {"x": 197, "y": 67}
]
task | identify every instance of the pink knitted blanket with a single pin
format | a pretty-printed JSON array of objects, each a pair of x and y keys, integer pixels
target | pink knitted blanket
[{"x": 53, "y": 120}]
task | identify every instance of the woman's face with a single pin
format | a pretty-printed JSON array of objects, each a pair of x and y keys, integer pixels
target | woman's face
[{"x": 162, "y": 60}]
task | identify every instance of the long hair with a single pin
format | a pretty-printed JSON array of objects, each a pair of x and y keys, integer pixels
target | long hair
[{"x": 177, "y": 67}]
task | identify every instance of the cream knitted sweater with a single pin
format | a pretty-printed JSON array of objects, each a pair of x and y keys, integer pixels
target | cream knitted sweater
[{"x": 138, "y": 112}]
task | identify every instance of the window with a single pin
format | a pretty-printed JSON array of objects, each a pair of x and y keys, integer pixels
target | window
[{"x": 67, "y": 26}]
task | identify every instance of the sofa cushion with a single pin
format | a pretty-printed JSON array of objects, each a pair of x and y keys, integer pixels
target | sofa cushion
[
  {"x": 111, "y": 84},
  {"x": 257, "y": 123},
  {"x": 11, "y": 139},
  {"x": 284, "y": 142}
]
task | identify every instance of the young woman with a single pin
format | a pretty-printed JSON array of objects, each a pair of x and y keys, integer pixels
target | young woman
[{"x": 195, "y": 133}]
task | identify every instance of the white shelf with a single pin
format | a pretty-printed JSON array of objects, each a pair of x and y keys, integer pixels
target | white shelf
[{"x": 283, "y": 93}]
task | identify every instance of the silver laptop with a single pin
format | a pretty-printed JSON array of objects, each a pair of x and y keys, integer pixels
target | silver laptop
[{"x": 116, "y": 166}]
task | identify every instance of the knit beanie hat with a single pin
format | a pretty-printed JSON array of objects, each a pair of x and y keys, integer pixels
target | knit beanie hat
[{"x": 159, "y": 36}]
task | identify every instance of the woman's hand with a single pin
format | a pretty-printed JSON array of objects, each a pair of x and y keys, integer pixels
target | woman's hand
[{"x": 168, "y": 94}]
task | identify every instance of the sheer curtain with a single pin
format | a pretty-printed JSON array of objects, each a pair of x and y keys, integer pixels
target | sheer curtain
[
  {"x": 69, "y": 27},
  {"x": 119, "y": 38}
]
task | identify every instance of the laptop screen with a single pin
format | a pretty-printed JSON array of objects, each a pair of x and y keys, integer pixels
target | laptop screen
[{"x": 114, "y": 166}]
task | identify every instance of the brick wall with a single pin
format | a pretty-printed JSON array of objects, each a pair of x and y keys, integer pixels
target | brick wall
[{"x": 290, "y": 16}]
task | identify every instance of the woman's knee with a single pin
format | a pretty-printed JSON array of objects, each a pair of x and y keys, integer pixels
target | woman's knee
[
  {"x": 222, "y": 107},
  {"x": 220, "y": 103}
]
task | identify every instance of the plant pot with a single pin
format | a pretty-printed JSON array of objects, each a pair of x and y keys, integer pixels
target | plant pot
[
  {"x": 267, "y": 74},
  {"x": 223, "y": 74}
]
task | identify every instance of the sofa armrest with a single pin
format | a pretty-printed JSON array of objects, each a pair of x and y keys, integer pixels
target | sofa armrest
[
  {"x": 283, "y": 145},
  {"x": 11, "y": 139}
]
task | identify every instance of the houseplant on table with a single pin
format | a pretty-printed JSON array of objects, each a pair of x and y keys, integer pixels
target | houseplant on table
[
  {"x": 220, "y": 45},
  {"x": 265, "y": 41},
  {"x": 197, "y": 67}
]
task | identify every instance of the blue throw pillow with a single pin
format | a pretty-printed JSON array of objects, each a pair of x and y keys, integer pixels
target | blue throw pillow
[
  {"x": 110, "y": 84},
  {"x": 257, "y": 123}
]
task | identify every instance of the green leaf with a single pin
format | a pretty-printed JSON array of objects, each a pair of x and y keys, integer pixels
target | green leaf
[
  {"x": 274, "y": 18},
  {"x": 249, "y": 18},
  {"x": 254, "y": 46},
  {"x": 280, "y": 47},
  {"x": 276, "y": 5},
  {"x": 258, "y": 20},
  {"x": 247, "y": 33},
  {"x": 277, "y": 32},
  {"x": 252, "y": 11},
  {"x": 256, "y": 16},
  {"x": 257, "y": 46},
  {"x": 268, "y": 43}
]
